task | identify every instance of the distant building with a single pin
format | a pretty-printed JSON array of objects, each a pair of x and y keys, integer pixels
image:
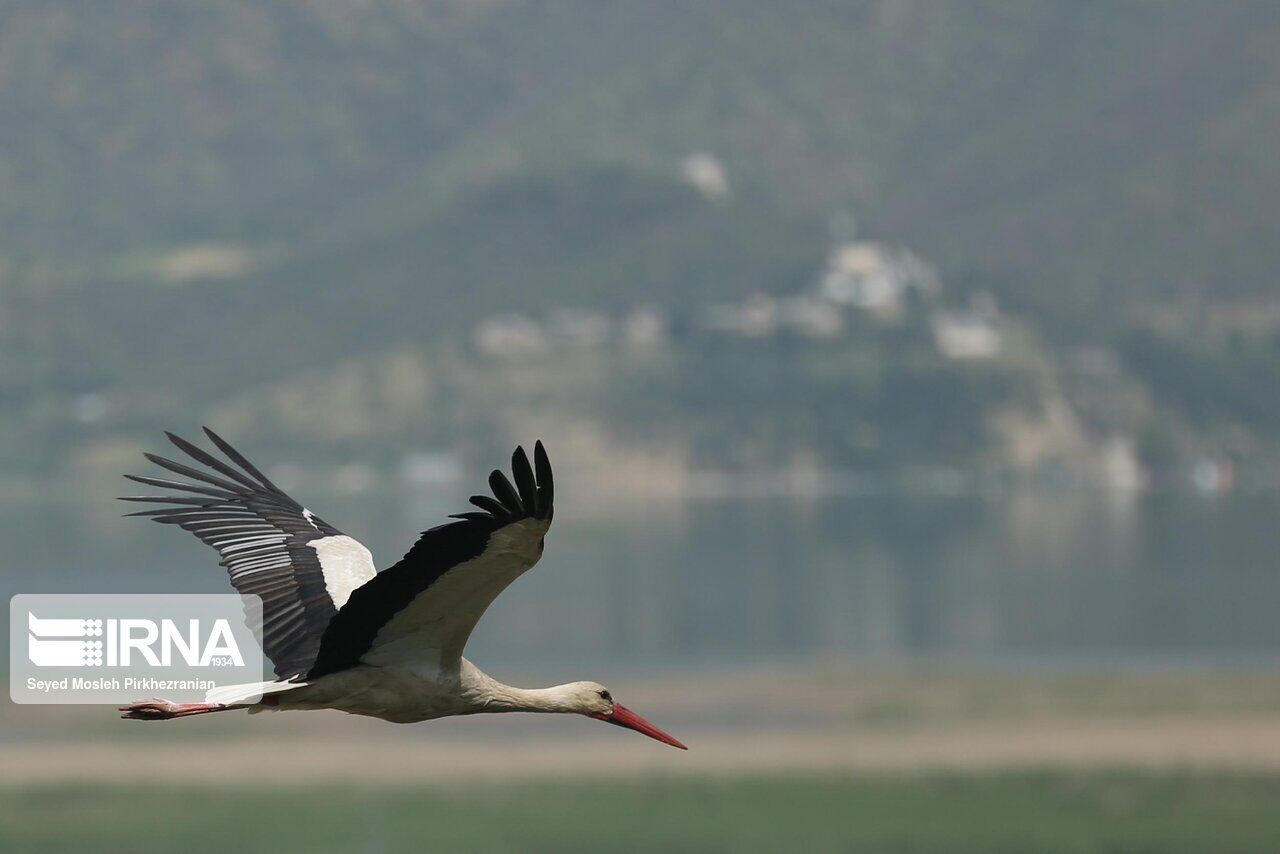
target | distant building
[
  {"x": 873, "y": 278},
  {"x": 705, "y": 173},
  {"x": 879, "y": 294},
  {"x": 966, "y": 335},
  {"x": 203, "y": 261},
  {"x": 509, "y": 335},
  {"x": 861, "y": 259},
  {"x": 1121, "y": 469},
  {"x": 1213, "y": 476},
  {"x": 644, "y": 327}
]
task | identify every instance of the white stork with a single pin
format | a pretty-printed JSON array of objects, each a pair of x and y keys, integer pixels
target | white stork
[{"x": 341, "y": 635}]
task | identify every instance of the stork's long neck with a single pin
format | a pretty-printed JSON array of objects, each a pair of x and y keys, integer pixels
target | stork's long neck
[
  {"x": 508, "y": 698},
  {"x": 490, "y": 695}
]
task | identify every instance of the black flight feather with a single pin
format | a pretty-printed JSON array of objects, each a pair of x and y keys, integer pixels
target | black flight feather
[
  {"x": 187, "y": 471},
  {"x": 489, "y": 505},
  {"x": 238, "y": 459},
  {"x": 505, "y": 493},
  {"x": 200, "y": 455},
  {"x": 165, "y": 483},
  {"x": 546, "y": 484},
  {"x": 524, "y": 480}
]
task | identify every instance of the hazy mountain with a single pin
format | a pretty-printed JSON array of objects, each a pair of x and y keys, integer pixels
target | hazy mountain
[{"x": 390, "y": 172}]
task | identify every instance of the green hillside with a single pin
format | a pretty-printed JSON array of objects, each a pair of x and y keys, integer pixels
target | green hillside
[{"x": 388, "y": 175}]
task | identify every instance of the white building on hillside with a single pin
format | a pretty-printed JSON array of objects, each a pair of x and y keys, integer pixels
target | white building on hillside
[
  {"x": 966, "y": 335},
  {"x": 874, "y": 278},
  {"x": 705, "y": 173},
  {"x": 509, "y": 335}
]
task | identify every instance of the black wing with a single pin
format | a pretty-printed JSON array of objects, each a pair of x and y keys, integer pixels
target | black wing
[
  {"x": 303, "y": 568},
  {"x": 422, "y": 610}
]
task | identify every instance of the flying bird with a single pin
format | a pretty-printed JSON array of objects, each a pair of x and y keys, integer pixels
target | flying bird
[{"x": 340, "y": 634}]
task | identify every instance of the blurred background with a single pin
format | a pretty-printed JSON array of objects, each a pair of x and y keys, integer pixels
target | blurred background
[{"x": 910, "y": 371}]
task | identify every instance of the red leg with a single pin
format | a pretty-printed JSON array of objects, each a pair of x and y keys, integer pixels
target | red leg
[{"x": 163, "y": 710}]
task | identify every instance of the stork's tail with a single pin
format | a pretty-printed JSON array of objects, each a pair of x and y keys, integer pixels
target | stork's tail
[{"x": 163, "y": 710}]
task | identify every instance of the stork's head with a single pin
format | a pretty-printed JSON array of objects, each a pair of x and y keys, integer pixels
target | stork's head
[{"x": 595, "y": 701}]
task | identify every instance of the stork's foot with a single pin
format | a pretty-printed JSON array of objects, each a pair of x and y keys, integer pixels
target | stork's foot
[{"x": 163, "y": 710}]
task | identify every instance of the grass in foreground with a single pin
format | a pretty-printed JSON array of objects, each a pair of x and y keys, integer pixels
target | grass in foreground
[{"x": 1042, "y": 812}]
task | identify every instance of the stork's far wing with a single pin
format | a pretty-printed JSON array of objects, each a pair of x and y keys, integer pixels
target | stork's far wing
[
  {"x": 303, "y": 568},
  {"x": 422, "y": 610}
]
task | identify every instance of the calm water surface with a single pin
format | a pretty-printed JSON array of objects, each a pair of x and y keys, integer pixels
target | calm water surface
[{"x": 1063, "y": 579}]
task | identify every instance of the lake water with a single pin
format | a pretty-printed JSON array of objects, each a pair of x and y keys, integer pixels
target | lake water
[{"x": 1064, "y": 580}]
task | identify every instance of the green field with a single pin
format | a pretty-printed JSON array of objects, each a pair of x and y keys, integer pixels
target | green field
[{"x": 1042, "y": 812}]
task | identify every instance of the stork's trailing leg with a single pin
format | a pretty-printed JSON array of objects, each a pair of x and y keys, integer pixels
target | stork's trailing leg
[{"x": 163, "y": 710}]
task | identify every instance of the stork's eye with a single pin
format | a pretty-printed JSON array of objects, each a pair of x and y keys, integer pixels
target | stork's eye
[{"x": 605, "y": 695}]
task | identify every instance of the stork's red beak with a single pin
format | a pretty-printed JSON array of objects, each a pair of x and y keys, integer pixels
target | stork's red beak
[{"x": 622, "y": 716}]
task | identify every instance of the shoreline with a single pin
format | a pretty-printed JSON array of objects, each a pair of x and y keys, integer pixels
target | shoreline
[{"x": 752, "y": 723}]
